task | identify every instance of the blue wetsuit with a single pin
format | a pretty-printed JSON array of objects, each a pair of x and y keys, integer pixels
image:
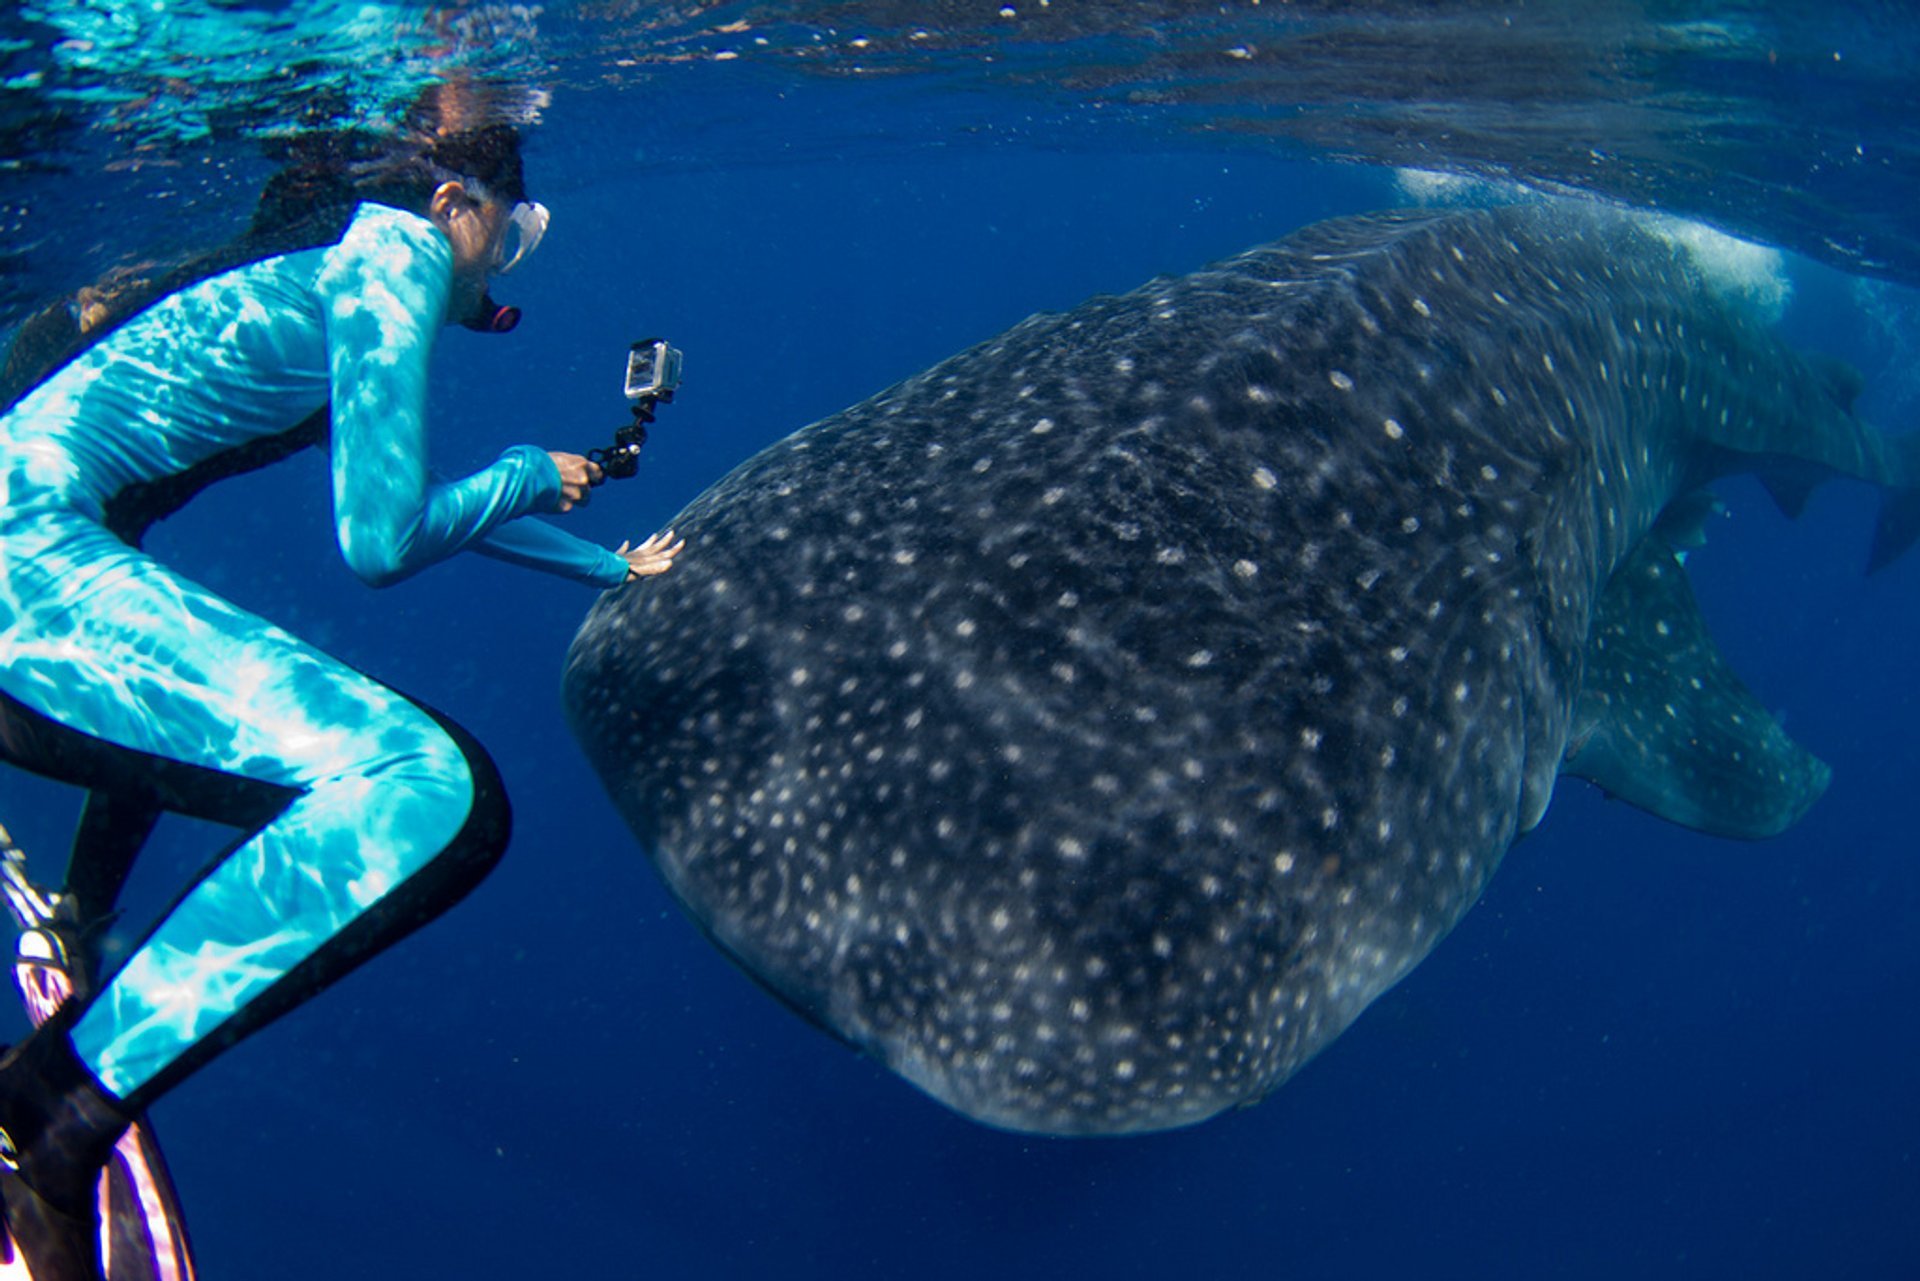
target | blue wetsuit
[{"x": 365, "y": 813}]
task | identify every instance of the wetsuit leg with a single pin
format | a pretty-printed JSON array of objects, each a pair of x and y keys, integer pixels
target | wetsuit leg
[
  {"x": 114, "y": 827},
  {"x": 385, "y": 814}
]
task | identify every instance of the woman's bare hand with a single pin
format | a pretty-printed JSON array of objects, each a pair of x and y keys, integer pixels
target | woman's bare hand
[
  {"x": 655, "y": 556},
  {"x": 577, "y": 475}
]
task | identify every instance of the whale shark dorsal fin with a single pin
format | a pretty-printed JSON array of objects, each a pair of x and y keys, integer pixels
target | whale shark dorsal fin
[{"x": 1663, "y": 723}]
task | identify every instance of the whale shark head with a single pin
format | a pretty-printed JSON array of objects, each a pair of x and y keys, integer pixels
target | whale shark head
[{"x": 1091, "y": 726}]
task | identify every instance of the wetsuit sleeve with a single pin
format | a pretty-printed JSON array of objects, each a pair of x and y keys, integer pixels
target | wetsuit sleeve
[
  {"x": 535, "y": 544},
  {"x": 383, "y": 292}
]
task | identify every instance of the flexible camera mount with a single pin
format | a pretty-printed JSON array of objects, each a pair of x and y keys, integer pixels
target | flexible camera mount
[{"x": 653, "y": 375}]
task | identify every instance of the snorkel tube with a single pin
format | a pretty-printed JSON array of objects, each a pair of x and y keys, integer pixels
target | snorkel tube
[{"x": 491, "y": 317}]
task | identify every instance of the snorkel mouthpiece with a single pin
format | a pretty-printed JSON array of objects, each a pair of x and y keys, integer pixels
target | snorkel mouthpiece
[{"x": 491, "y": 317}]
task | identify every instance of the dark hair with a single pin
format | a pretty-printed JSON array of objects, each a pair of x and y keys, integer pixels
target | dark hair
[
  {"x": 307, "y": 203},
  {"x": 466, "y": 128},
  {"x": 325, "y": 173},
  {"x": 490, "y": 153}
]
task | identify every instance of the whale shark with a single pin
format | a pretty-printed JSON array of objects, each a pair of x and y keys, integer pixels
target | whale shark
[{"x": 1091, "y": 726}]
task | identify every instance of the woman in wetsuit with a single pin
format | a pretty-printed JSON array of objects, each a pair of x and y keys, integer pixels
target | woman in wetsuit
[{"x": 365, "y": 814}]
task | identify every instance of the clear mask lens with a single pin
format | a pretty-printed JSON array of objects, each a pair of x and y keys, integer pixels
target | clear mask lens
[{"x": 525, "y": 227}]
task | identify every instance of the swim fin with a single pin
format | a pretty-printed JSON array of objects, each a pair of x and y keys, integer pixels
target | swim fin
[
  {"x": 133, "y": 1229},
  {"x": 58, "y": 1130}
]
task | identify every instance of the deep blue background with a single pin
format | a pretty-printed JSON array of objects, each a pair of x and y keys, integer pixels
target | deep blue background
[{"x": 1645, "y": 1053}]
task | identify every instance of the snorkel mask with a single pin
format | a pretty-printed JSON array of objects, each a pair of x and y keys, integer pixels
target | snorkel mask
[{"x": 526, "y": 225}]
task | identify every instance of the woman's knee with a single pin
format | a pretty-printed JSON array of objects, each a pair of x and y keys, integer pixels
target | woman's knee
[
  {"x": 480, "y": 838},
  {"x": 420, "y": 815}
]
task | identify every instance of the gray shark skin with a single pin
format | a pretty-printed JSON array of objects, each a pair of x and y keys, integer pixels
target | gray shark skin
[{"x": 1090, "y": 727}]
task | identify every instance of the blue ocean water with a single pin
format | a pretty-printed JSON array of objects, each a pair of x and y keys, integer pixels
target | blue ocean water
[{"x": 1645, "y": 1052}]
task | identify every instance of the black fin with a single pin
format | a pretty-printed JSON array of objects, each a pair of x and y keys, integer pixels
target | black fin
[
  {"x": 142, "y": 1211},
  {"x": 1663, "y": 723}
]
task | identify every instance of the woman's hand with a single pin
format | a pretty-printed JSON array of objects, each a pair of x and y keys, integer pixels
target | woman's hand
[
  {"x": 577, "y": 476},
  {"x": 655, "y": 556}
]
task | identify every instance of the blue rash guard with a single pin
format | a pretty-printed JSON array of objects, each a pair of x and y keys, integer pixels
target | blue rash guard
[{"x": 365, "y": 813}]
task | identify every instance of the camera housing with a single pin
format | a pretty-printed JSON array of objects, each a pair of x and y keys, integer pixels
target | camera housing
[{"x": 653, "y": 370}]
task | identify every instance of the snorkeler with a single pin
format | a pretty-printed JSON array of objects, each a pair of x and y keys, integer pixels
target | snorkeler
[{"x": 364, "y": 814}]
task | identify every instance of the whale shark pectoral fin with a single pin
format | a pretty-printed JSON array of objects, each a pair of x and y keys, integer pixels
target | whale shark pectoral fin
[
  {"x": 1790, "y": 484},
  {"x": 1663, "y": 723}
]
